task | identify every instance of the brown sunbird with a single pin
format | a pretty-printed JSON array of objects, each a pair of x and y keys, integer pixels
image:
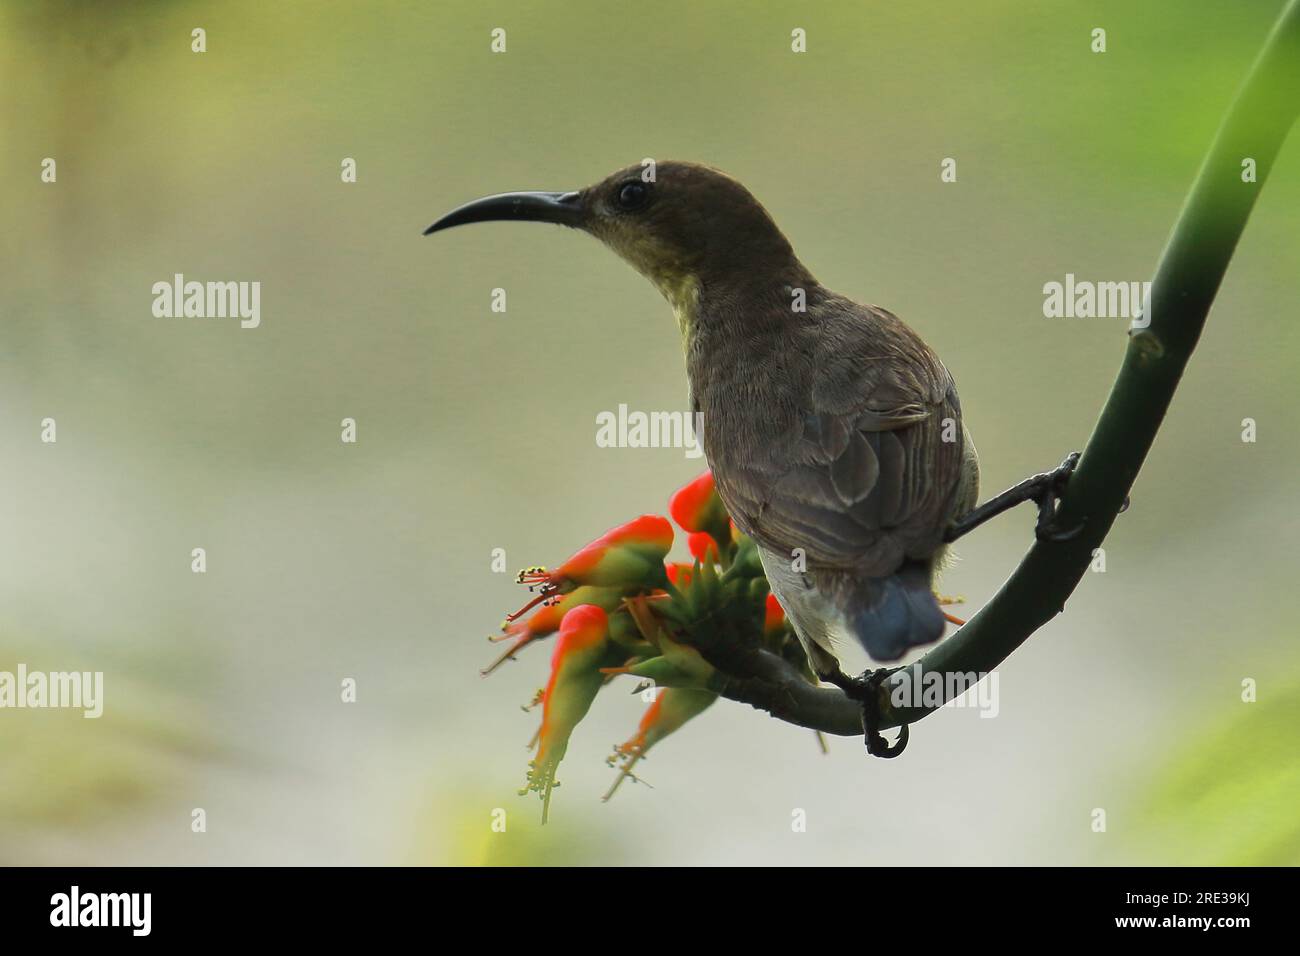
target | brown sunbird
[{"x": 833, "y": 431}]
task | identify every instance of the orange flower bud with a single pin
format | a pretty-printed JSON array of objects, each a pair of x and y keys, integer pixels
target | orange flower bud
[
  {"x": 546, "y": 620},
  {"x": 773, "y": 615},
  {"x": 679, "y": 573},
  {"x": 697, "y": 508},
  {"x": 671, "y": 709},
  {"x": 580, "y": 651},
  {"x": 629, "y": 556},
  {"x": 703, "y": 548}
]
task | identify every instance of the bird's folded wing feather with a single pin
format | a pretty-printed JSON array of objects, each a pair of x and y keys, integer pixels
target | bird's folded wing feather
[{"x": 867, "y": 473}]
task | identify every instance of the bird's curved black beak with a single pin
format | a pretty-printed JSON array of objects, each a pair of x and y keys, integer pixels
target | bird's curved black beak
[{"x": 564, "y": 209}]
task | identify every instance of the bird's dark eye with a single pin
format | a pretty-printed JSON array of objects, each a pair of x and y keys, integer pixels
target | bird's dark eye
[{"x": 633, "y": 195}]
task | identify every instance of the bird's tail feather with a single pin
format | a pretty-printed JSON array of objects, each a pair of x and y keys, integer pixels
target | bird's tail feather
[{"x": 894, "y": 614}]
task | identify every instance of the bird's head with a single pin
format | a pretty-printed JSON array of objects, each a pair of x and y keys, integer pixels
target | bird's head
[{"x": 681, "y": 225}]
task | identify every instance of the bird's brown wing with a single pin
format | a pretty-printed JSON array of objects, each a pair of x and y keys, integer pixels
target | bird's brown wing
[{"x": 863, "y": 473}]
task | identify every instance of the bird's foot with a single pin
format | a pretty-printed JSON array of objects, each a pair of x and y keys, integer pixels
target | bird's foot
[
  {"x": 1046, "y": 497},
  {"x": 1044, "y": 490},
  {"x": 865, "y": 688}
]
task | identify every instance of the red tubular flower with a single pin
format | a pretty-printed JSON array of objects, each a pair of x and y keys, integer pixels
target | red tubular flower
[
  {"x": 671, "y": 709},
  {"x": 773, "y": 615},
  {"x": 629, "y": 556},
  {"x": 575, "y": 678},
  {"x": 703, "y": 548},
  {"x": 546, "y": 620},
  {"x": 679, "y": 572},
  {"x": 697, "y": 508},
  {"x": 692, "y": 503}
]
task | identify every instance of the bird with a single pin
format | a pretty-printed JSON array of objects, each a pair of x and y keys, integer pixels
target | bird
[{"x": 833, "y": 431}]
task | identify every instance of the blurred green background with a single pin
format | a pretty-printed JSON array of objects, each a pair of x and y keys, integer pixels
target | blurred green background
[{"x": 476, "y": 429}]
